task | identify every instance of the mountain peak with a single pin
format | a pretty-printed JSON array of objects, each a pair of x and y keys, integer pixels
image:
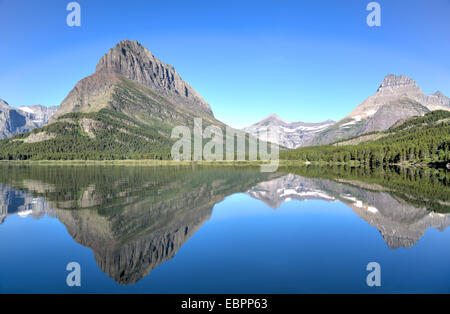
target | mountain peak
[
  {"x": 290, "y": 134},
  {"x": 129, "y": 42},
  {"x": 4, "y": 103},
  {"x": 398, "y": 97},
  {"x": 274, "y": 116},
  {"x": 439, "y": 99},
  {"x": 133, "y": 61},
  {"x": 126, "y": 47},
  {"x": 392, "y": 81},
  {"x": 390, "y": 90},
  {"x": 126, "y": 50}
]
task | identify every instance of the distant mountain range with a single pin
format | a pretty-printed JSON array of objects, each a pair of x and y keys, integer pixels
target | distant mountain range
[
  {"x": 291, "y": 134},
  {"x": 130, "y": 105},
  {"x": 397, "y": 98},
  {"x": 39, "y": 114},
  {"x": 422, "y": 140},
  {"x": 15, "y": 121}
]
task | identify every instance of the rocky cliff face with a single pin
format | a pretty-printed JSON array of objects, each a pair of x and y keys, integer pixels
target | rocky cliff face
[
  {"x": 16, "y": 121},
  {"x": 128, "y": 107},
  {"x": 39, "y": 114},
  {"x": 13, "y": 121},
  {"x": 290, "y": 134},
  {"x": 390, "y": 113},
  {"x": 91, "y": 94},
  {"x": 394, "y": 88},
  {"x": 398, "y": 97},
  {"x": 132, "y": 61},
  {"x": 439, "y": 99}
]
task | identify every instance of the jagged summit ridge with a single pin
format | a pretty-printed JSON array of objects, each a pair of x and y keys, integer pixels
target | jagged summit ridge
[
  {"x": 392, "y": 82},
  {"x": 395, "y": 87},
  {"x": 398, "y": 97},
  {"x": 275, "y": 117},
  {"x": 127, "y": 71},
  {"x": 290, "y": 134},
  {"x": 440, "y": 99},
  {"x": 132, "y": 60}
]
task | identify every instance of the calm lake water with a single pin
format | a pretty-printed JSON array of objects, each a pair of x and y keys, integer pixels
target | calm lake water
[{"x": 223, "y": 230}]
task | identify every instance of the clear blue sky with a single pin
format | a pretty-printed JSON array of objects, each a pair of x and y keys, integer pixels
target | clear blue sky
[{"x": 304, "y": 60}]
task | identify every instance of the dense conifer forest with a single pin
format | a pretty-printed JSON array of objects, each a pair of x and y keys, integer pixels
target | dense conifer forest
[{"x": 418, "y": 140}]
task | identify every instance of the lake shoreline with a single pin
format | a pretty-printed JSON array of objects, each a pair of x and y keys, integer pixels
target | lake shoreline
[{"x": 151, "y": 162}]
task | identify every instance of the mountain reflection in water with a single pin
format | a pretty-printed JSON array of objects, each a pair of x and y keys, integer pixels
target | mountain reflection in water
[
  {"x": 136, "y": 218},
  {"x": 400, "y": 223}
]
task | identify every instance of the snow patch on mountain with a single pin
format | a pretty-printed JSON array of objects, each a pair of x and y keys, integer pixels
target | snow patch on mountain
[{"x": 290, "y": 134}]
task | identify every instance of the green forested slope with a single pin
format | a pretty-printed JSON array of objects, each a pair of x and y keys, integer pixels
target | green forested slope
[
  {"x": 136, "y": 124},
  {"x": 422, "y": 139}
]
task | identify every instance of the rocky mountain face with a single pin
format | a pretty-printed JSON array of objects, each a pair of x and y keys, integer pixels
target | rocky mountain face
[
  {"x": 389, "y": 114},
  {"x": 16, "y": 121},
  {"x": 39, "y": 114},
  {"x": 128, "y": 65},
  {"x": 290, "y": 134},
  {"x": 391, "y": 90},
  {"x": 126, "y": 109},
  {"x": 439, "y": 99},
  {"x": 13, "y": 121},
  {"x": 133, "y": 61},
  {"x": 397, "y": 98}
]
